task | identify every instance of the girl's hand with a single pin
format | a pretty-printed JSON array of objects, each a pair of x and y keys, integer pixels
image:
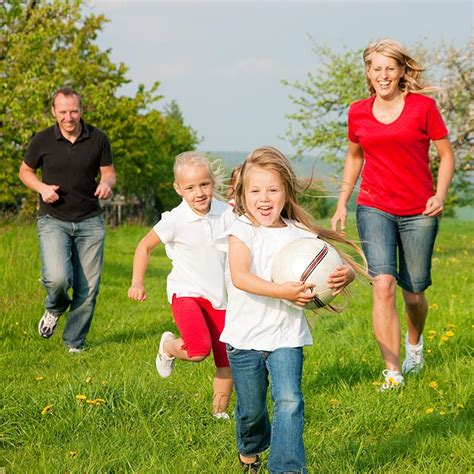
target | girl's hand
[
  {"x": 137, "y": 293},
  {"x": 298, "y": 292},
  {"x": 340, "y": 278}
]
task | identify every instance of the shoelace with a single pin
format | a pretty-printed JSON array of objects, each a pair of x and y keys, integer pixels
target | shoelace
[{"x": 50, "y": 320}]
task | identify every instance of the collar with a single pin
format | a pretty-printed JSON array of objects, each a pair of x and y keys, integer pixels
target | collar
[
  {"x": 85, "y": 133},
  {"x": 189, "y": 215},
  {"x": 244, "y": 218}
]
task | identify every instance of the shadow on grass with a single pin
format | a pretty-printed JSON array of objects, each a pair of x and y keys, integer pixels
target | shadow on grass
[
  {"x": 340, "y": 374},
  {"x": 374, "y": 456}
]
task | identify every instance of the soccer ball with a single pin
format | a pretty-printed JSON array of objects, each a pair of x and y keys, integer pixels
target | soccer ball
[{"x": 310, "y": 260}]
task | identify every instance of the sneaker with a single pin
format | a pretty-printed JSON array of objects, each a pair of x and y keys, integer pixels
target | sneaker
[
  {"x": 48, "y": 324},
  {"x": 75, "y": 349},
  {"x": 221, "y": 416},
  {"x": 414, "y": 360},
  {"x": 393, "y": 379},
  {"x": 164, "y": 363}
]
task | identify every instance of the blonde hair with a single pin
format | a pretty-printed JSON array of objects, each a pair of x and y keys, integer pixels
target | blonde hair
[
  {"x": 214, "y": 167},
  {"x": 411, "y": 80},
  {"x": 270, "y": 159},
  {"x": 234, "y": 178}
]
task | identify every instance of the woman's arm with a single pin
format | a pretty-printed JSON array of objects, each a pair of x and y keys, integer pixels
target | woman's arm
[
  {"x": 435, "y": 204},
  {"x": 240, "y": 260},
  {"x": 352, "y": 169},
  {"x": 140, "y": 263}
]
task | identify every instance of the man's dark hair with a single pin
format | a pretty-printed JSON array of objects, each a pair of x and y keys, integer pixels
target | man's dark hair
[{"x": 67, "y": 91}]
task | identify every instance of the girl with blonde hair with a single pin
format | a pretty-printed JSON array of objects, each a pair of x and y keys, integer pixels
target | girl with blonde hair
[{"x": 264, "y": 335}]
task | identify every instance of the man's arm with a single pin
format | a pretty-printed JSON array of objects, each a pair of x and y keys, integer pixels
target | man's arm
[
  {"x": 107, "y": 182},
  {"x": 29, "y": 178}
]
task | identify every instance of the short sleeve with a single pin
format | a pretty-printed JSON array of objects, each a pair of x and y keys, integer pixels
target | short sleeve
[
  {"x": 244, "y": 231},
  {"x": 351, "y": 129},
  {"x": 105, "y": 152},
  {"x": 33, "y": 155},
  {"x": 436, "y": 127},
  {"x": 165, "y": 228}
]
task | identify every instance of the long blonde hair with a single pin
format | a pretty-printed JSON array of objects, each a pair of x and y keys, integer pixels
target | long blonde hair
[
  {"x": 411, "y": 80},
  {"x": 214, "y": 167},
  {"x": 270, "y": 159}
]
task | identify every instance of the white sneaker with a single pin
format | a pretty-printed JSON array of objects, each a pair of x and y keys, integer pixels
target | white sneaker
[
  {"x": 414, "y": 360},
  {"x": 164, "y": 363},
  {"x": 393, "y": 379},
  {"x": 221, "y": 416},
  {"x": 48, "y": 324}
]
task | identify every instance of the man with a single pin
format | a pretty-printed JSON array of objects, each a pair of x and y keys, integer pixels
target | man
[{"x": 71, "y": 154}]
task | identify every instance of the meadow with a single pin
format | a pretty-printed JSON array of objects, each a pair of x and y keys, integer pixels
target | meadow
[{"x": 107, "y": 410}]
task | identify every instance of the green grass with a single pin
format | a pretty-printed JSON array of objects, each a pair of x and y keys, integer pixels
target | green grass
[{"x": 150, "y": 425}]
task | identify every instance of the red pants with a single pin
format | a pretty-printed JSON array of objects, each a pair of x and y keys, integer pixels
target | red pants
[{"x": 200, "y": 326}]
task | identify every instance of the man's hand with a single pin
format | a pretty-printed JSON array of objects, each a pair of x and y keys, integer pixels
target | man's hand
[
  {"x": 103, "y": 191},
  {"x": 49, "y": 194}
]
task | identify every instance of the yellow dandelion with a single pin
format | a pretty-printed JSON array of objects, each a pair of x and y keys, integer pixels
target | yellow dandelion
[
  {"x": 38, "y": 378},
  {"x": 99, "y": 401},
  {"x": 393, "y": 381},
  {"x": 444, "y": 338},
  {"x": 104, "y": 382},
  {"x": 334, "y": 402},
  {"x": 451, "y": 326},
  {"x": 91, "y": 402},
  {"x": 71, "y": 454},
  {"x": 80, "y": 397},
  {"x": 432, "y": 332},
  {"x": 434, "y": 306},
  {"x": 430, "y": 338},
  {"x": 88, "y": 379},
  {"x": 428, "y": 351},
  {"x": 449, "y": 334},
  {"x": 429, "y": 410},
  {"x": 376, "y": 383},
  {"x": 47, "y": 409},
  {"x": 442, "y": 413},
  {"x": 433, "y": 384}
]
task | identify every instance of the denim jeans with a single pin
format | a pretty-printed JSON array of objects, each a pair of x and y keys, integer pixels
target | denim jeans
[
  {"x": 71, "y": 256},
  {"x": 250, "y": 371},
  {"x": 410, "y": 238}
]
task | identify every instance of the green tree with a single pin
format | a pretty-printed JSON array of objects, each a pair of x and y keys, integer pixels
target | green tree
[
  {"x": 320, "y": 121},
  {"x": 48, "y": 44}
]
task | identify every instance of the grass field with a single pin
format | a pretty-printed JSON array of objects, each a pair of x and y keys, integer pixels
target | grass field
[{"x": 133, "y": 421}]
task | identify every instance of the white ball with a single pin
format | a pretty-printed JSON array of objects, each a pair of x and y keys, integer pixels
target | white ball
[{"x": 310, "y": 260}]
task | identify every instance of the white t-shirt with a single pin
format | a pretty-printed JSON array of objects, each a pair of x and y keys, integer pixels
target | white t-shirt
[
  {"x": 261, "y": 322},
  {"x": 198, "y": 266}
]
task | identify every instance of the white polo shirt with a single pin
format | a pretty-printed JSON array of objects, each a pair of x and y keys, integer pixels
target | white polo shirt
[
  {"x": 260, "y": 322},
  {"x": 198, "y": 266}
]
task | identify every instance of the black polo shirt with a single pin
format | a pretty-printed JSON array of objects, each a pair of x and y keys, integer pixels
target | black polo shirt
[{"x": 74, "y": 167}]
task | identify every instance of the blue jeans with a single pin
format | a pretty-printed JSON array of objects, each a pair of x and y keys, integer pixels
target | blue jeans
[
  {"x": 71, "y": 256},
  {"x": 250, "y": 370},
  {"x": 384, "y": 235}
]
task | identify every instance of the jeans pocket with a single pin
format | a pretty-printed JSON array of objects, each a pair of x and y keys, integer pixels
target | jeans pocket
[{"x": 231, "y": 350}]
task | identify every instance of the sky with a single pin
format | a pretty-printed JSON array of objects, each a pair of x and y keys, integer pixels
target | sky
[{"x": 224, "y": 61}]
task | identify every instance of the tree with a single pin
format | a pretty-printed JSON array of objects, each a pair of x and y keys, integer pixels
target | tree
[
  {"x": 48, "y": 44},
  {"x": 320, "y": 122}
]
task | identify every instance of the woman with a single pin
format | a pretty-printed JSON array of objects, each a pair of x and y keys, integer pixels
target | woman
[{"x": 397, "y": 213}]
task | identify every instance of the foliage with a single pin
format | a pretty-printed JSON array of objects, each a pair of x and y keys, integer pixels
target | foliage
[
  {"x": 45, "y": 45},
  {"x": 151, "y": 425},
  {"x": 320, "y": 121}
]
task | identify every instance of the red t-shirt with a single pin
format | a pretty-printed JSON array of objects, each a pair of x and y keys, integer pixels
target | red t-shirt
[{"x": 396, "y": 177}]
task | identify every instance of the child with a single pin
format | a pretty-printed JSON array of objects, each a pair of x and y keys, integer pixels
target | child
[
  {"x": 265, "y": 336},
  {"x": 195, "y": 286}
]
